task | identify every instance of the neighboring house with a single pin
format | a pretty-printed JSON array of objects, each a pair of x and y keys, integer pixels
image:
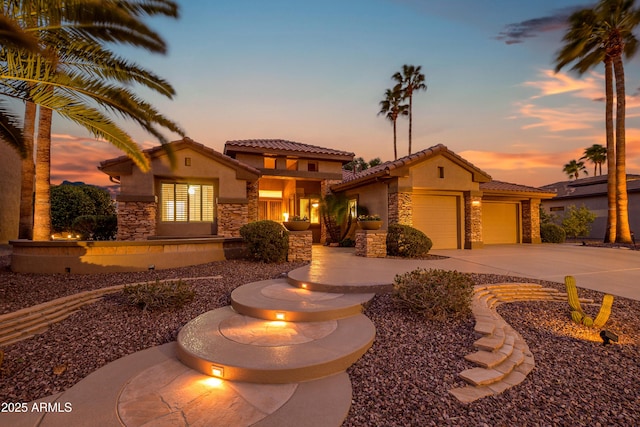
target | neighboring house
[
  {"x": 453, "y": 202},
  {"x": 592, "y": 193},
  {"x": 208, "y": 193}
]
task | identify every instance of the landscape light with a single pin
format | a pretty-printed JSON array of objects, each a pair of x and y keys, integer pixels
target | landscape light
[
  {"x": 279, "y": 315},
  {"x": 217, "y": 371},
  {"x": 303, "y": 286},
  {"x": 475, "y": 203},
  {"x": 607, "y": 337}
]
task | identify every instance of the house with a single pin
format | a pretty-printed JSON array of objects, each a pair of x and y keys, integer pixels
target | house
[
  {"x": 453, "y": 202},
  {"x": 210, "y": 193},
  {"x": 592, "y": 193}
]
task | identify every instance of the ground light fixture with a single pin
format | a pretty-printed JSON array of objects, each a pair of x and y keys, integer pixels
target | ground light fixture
[
  {"x": 217, "y": 371},
  {"x": 607, "y": 337},
  {"x": 280, "y": 315}
]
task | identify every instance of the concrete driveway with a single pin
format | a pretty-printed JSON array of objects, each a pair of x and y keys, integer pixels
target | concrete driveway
[{"x": 615, "y": 271}]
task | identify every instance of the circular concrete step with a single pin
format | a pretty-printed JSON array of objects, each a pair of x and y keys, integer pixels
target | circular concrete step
[
  {"x": 234, "y": 347},
  {"x": 278, "y": 300}
]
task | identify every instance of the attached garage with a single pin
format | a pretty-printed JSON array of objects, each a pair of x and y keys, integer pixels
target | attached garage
[
  {"x": 500, "y": 223},
  {"x": 439, "y": 218}
]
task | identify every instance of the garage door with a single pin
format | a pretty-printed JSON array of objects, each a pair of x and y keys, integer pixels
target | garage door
[
  {"x": 500, "y": 223},
  {"x": 437, "y": 217}
]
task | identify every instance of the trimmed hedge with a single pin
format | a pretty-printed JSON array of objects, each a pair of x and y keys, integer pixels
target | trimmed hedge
[
  {"x": 267, "y": 241},
  {"x": 408, "y": 242},
  {"x": 552, "y": 233}
]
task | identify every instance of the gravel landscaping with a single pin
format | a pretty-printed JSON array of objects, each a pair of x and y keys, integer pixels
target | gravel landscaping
[{"x": 402, "y": 380}]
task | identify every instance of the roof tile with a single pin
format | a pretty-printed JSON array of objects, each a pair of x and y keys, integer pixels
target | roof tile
[{"x": 283, "y": 145}]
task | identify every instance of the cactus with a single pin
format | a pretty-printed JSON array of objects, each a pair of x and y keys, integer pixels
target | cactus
[
  {"x": 605, "y": 311},
  {"x": 578, "y": 315},
  {"x": 572, "y": 293}
]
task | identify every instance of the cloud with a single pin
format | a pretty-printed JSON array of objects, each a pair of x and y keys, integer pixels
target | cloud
[
  {"x": 520, "y": 31},
  {"x": 559, "y": 119},
  {"x": 552, "y": 83},
  {"x": 501, "y": 161}
]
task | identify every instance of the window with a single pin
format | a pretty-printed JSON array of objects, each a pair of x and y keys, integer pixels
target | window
[
  {"x": 292, "y": 164},
  {"x": 269, "y": 162},
  {"x": 312, "y": 166},
  {"x": 310, "y": 208},
  {"x": 440, "y": 171},
  {"x": 270, "y": 209},
  {"x": 556, "y": 209},
  {"x": 187, "y": 203}
]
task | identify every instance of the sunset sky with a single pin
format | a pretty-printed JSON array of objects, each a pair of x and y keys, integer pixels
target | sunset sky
[{"x": 315, "y": 72}]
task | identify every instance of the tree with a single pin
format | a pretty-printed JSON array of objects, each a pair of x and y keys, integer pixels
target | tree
[
  {"x": 358, "y": 164},
  {"x": 596, "y": 154},
  {"x": 69, "y": 202},
  {"x": 411, "y": 80},
  {"x": 573, "y": 169},
  {"x": 577, "y": 221},
  {"x": 334, "y": 209},
  {"x": 605, "y": 34},
  {"x": 392, "y": 108},
  {"x": 78, "y": 73}
]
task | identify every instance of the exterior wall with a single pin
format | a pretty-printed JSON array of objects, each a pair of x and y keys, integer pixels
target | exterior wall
[
  {"x": 10, "y": 179},
  {"x": 375, "y": 198},
  {"x": 109, "y": 257},
  {"x": 257, "y": 161},
  {"x": 427, "y": 175},
  {"x": 597, "y": 205},
  {"x": 400, "y": 208},
  {"x": 136, "y": 219},
  {"x": 531, "y": 221},
  {"x": 473, "y": 220},
  {"x": 232, "y": 216}
]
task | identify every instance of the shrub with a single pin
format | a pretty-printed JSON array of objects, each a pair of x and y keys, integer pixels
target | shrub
[
  {"x": 407, "y": 242},
  {"x": 436, "y": 294},
  {"x": 552, "y": 233},
  {"x": 267, "y": 241},
  {"x": 577, "y": 221},
  {"x": 96, "y": 227},
  {"x": 347, "y": 243},
  {"x": 159, "y": 295}
]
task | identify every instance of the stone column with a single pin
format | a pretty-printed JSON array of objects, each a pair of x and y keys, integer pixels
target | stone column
[
  {"x": 473, "y": 220},
  {"x": 300, "y": 245},
  {"x": 252, "y": 198},
  {"x": 231, "y": 216},
  {"x": 400, "y": 209},
  {"x": 371, "y": 243},
  {"x": 136, "y": 217},
  {"x": 531, "y": 221}
]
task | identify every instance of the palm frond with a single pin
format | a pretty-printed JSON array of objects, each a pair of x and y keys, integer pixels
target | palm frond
[{"x": 11, "y": 130}]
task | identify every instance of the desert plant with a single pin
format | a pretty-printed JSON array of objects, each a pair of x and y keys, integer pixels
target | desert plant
[
  {"x": 347, "y": 243},
  {"x": 578, "y": 315},
  {"x": 577, "y": 221},
  {"x": 436, "y": 294},
  {"x": 267, "y": 241},
  {"x": 552, "y": 233},
  {"x": 334, "y": 209},
  {"x": 159, "y": 295},
  {"x": 406, "y": 241}
]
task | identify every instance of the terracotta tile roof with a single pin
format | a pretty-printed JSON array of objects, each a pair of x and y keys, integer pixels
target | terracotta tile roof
[
  {"x": 281, "y": 145},
  {"x": 507, "y": 186},
  {"x": 385, "y": 168}
]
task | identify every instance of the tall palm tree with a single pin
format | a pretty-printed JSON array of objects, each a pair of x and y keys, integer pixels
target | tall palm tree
[
  {"x": 573, "y": 169},
  {"x": 411, "y": 80},
  {"x": 76, "y": 75},
  {"x": 604, "y": 34},
  {"x": 392, "y": 108},
  {"x": 596, "y": 154}
]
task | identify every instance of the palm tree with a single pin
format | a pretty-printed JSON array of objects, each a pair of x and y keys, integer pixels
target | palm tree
[
  {"x": 392, "y": 108},
  {"x": 411, "y": 80},
  {"x": 596, "y": 154},
  {"x": 604, "y": 34},
  {"x": 573, "y": 169},
  {"x": 75, "y": 76}
]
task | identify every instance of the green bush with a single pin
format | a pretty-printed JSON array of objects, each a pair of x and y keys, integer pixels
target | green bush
[
  {"x": 552, "y": 233},
  {"x": 267, "y": 241},
  {"x": 96, "y": 227},
  {"x": 436, "y": 294},
  {"x": 407, "y": 242},
  {"x": 347, "y": 243},
  {"x": 159, "y": 295}
]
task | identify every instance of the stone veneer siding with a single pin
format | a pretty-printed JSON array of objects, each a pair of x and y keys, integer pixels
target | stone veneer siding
[
  {"x": 531, "y": 221},
  {"x": 252, "y": 197},
  {"x": 300, "y": 244},
  {"x": 371, "y": 243},
  {"x": 136, "y": 220},
  {"x": 400, "y": 209},
  {"x": 232, "y": 216},
  {"x": 472, "y": 221}
]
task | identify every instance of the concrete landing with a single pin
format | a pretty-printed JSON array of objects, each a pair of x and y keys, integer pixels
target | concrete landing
[{"x": 277, "y": 300}]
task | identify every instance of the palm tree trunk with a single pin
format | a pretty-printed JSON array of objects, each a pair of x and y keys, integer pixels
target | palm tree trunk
[
  {"x": 623, "y": 232},
  {"x": 395, "y": 144},
  {"x": 610, "y": 233},
  {"x": 25, "y": 229},
  {"x": 410, "y": 119},
  {"x": 42, "y": 214}
]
